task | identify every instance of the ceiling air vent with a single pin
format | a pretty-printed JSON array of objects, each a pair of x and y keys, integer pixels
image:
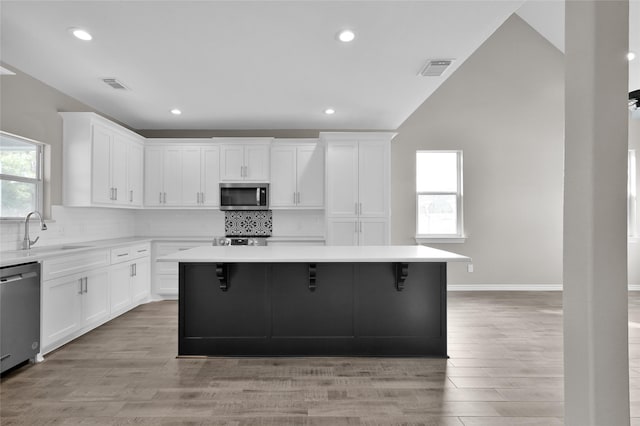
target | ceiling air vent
[
  {"x": 115, "y": 84},
  {"x": 435, "y": 67}
]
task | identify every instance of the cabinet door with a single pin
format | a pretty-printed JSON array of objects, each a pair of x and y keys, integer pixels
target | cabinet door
[
  {"x": 120, "y": 287},
  {"x": 373, "y": 179},
  {"x": 342, "y": 232},
  {"x": 342, "y": 179},
  {"x": 95, "y": 300},
  {"x": 135, "y": 167},
  {"x": 153, "y": 175},
  {"x": 190, "y": 176},
  {"x": 283, "y": 176},
  {"x": 100, "y": 165},
  {"x": 210, "y": 176},
  {"x": 119, "y": 153},
  {"x": 172, "y": 176},
  {"x": 61, "y": 308},
  {"x": 232, "y": 162},
  {"x": 141, "y": 284},
  {"x": 310, "y": 176},
  {"x": 256, "y": 161},
  {"x": 373, "y": 232}
]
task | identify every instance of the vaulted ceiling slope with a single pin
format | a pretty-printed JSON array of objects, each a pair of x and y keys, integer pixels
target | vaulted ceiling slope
[{"x": 247, "y": 64}]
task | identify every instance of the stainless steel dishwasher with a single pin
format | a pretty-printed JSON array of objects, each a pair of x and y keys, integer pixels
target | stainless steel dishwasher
[{"x": 19, "y": 314}]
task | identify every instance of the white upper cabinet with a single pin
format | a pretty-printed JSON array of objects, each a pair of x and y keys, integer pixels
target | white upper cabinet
[
  {"x": 297, "y": 174},
  {"x": 102, "y": 162},
  {"x": 182, "y": 173},
  {"x": 357, "y": 176},
  {"x": 244, "y": 159}
]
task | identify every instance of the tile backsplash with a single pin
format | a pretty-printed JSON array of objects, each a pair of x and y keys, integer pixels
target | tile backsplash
[
  {"x": 248, "y": 223},
  {"x": 71, "y": 225}
]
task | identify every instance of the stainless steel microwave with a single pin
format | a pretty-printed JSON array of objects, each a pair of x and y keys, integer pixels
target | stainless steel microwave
[{"x": 244, "y": 196}]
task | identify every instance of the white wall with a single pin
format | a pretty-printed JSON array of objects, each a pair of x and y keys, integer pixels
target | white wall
[{"x": 504, "y": 108}]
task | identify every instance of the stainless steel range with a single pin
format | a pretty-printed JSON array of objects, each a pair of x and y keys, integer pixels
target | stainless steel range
[{"x": 240, "y": 241}]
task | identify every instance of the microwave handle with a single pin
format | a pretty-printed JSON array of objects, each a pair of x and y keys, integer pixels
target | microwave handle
[{"x": 257, "y": 196}]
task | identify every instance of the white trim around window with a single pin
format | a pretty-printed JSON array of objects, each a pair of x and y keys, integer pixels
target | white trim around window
[{"x": 446, "y": 190}]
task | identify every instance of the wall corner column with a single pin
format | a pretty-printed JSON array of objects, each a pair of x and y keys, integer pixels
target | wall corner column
[{"x": 595, "y": 297}]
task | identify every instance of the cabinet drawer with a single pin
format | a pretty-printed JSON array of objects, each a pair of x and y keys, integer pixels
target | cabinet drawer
[
  {"x": 71, "y": 264},
  {"x": 120, "y": 254},
  {"x": 140, "y": 250}
]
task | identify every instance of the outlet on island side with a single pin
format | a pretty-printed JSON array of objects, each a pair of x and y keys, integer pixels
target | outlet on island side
[{"x": 469, "y": 267}]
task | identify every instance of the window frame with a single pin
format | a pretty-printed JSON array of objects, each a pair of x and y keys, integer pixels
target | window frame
[
  {"x": 459, "y": 237},
  {"x": 38, "y": 180},
  {"x": 632, "y": 196}
]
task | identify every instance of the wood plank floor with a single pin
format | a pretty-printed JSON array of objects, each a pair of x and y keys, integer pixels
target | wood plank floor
[{"x": 505, "y": 369}]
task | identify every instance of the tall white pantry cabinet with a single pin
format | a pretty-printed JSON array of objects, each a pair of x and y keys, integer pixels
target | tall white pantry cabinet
[{"x": 357, "y": 187}]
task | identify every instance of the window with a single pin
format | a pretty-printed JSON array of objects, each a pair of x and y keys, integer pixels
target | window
[
  {"x": 20, "y": 176},
  {"x": 632, "y": 215},
  {"x": 439, "y": 195}
]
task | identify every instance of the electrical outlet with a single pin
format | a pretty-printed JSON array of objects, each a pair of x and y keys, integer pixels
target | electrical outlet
[{"x": 469, "y": 267}]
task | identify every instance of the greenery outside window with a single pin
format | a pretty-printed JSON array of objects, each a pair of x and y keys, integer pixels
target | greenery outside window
[
  {"x": 21, "y": 189},
  {"x": 439, "y": 196}
]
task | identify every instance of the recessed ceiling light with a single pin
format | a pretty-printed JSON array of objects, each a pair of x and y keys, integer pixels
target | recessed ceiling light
[
  {"x": 631, "y": 56},
  {"x": 81, "y": 34},
  {"x": 329, "y": 111},
  {"x": 176, "y": 111},
  {"x": 346, "y": 36}
]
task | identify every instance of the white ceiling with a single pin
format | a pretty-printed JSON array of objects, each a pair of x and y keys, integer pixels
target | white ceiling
[{"x": 251, "y": 64}]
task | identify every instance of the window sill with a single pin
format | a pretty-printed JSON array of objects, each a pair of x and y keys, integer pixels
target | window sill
[{"x": 440, "y": 240}]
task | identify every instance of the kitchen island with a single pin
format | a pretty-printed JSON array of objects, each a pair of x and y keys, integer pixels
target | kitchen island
[{"x": 313, "y": 301}]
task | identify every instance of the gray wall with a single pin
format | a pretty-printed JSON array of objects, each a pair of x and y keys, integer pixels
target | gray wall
[
  {"x": 30, "y": 108},
  {"x": 504, "y": 108}
]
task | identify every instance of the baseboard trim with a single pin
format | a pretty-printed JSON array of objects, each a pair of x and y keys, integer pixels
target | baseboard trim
[
  {"x": 515, "y": 287},
  {"x": 504, "y": 287}
]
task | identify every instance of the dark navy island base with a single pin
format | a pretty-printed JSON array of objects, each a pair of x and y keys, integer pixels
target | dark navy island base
[{"x": 313, "y": 309}]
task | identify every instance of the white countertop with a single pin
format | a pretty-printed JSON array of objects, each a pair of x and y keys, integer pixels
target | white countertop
[
  {"x": 38, "y": 253},
  {"x": 313, "y": 254}
]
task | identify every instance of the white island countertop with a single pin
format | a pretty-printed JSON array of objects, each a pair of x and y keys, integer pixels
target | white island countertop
[{"x": 313, "y": 254}]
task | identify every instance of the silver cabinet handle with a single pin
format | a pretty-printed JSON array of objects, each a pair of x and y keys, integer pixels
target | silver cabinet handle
[
  {"x": 135, "y": 269},
  {"x": 164, "y": 197},
  {"x": 116, "y": 191},
  {"x": 360, "y": 209},
  {"x": 202, "y": 197},
  {"x": 131, "y": 196},
  {"x": 81, "y": 280},
  {"x": 356, "y": 207},
  {"x": 131, "y": 270},
  {"x": 160, "y": 200}
]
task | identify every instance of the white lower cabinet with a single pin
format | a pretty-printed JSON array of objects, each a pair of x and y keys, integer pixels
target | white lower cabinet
[
  {"x": 72, "y": 305},
  {"x": 83, "y": 291},
  {"x": 141, "y": 280},
  {"x": 165, "y": 274}
]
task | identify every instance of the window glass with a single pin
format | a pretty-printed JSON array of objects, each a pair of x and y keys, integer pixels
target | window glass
[
  {"x": 437, "y": 172},
  {"x": 437, "y": 214},
  {"x": 20, "y": 176},
  {"x": 439, "y": 194}
]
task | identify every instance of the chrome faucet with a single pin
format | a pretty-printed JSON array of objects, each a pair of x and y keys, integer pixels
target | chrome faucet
[{"x": 27, "y": 243}]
